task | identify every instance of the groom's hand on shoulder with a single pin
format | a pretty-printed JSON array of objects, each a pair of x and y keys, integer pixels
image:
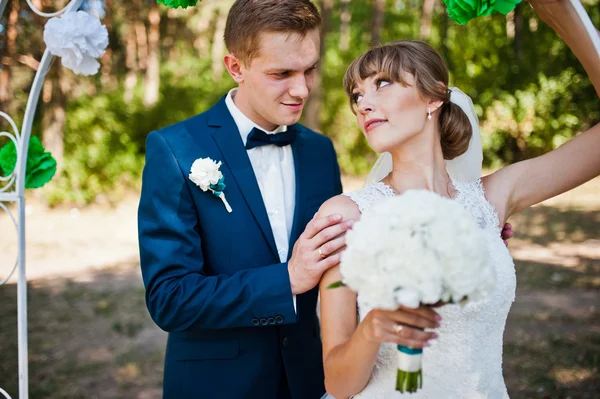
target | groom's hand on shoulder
[
  {"x": 507, "y": 233},
  {"x": 318, "y": 249}
]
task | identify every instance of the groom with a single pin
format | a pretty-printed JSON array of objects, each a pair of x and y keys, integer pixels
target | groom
[{"x": 236, "y": 290}]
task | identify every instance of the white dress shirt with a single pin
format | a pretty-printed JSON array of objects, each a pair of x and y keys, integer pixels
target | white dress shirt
[{"x": 274, "y": 170}]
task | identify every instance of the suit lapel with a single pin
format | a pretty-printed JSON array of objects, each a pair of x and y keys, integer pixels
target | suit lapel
[
  {"x": 299, "y": 150},
  {"x": 227, "y": 137}
]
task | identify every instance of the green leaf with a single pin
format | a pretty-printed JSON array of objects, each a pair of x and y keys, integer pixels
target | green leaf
[{"x": 337, "y": 284}]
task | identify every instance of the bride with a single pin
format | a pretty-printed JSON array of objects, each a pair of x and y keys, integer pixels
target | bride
[{"x": 400, "y": 95}]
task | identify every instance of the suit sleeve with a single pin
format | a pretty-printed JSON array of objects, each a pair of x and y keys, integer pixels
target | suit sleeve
[
  {"x": 337, "y": 175},
  {"x": 179, "y": 294}
]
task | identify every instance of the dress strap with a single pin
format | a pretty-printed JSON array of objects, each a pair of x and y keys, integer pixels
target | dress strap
[
  {"x": 471, "y": 195},
  {"x": 367, "y": 196}
]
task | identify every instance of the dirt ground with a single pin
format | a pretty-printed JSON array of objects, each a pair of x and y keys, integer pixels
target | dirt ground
[{"x": 91, "y": 337}]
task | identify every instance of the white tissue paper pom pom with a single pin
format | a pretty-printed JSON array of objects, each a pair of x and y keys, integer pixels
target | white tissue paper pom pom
[{"x": 78, "y": 38}]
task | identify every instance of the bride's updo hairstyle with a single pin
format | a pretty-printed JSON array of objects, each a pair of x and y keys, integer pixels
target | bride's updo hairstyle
[{"x": 431, "y": 76}]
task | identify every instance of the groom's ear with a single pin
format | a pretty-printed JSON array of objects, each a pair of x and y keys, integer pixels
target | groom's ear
[{"x": 234, "y": 67}]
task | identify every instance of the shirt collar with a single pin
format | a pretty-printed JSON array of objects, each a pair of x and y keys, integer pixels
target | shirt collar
[{"x": 244, "y": 124}]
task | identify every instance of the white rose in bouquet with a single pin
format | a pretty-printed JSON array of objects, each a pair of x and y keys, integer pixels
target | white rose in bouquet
[{"x": 416, "y": 248}]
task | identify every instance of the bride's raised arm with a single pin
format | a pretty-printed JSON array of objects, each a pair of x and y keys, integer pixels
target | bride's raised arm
[
  {"x": 526, "y": 183},
  {"x": 561, "y": 15}
]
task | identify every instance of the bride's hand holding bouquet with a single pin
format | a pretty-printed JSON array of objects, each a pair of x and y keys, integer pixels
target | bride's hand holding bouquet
[
  {"x": 404, "y": 326},
  {"x": 406, "y": 255}
]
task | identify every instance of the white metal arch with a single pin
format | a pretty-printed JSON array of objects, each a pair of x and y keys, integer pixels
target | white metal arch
[{"x": 13, "y": 192}]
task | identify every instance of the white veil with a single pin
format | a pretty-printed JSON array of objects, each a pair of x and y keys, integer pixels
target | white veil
[{"x": 465, "y": 167}]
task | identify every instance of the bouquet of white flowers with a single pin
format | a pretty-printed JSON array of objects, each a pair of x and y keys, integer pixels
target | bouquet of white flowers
[{"x": 417, "y": 248}]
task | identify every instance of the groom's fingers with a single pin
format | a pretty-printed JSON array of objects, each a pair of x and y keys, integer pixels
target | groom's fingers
[
  {"x": 316, "y": 225},
  {"x": 328, "y": 262},
  {"x": 332, "y": 246},
  {"x": 507, "y": 232},
  {"x": 329, "y": 234}
]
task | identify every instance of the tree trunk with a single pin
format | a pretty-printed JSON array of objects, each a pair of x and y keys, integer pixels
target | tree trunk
[
  {"x": 142, "y": 42},
  {"x": 152, "y": 77},
  {"x": 518, "y": 43},
  {"x": 53, "y": 120},
  {"x": 378, "y": 14},
  {"x": 130, "y": 58},
  {"x": 9, "y": 57},
  {"x": 202, "y": 41},
  {"x": 426, "y": 18},
  {"x": 315, "y": 101},
  {"x": 444, "y": 36},
  {"x": 107, "y": 78},
  {"x": 345, "y": 17},
  {"x": 218, "y": 47}
]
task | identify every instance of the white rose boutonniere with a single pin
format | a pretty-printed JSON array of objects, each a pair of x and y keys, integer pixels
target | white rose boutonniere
[{"x": 206, "y": 174}]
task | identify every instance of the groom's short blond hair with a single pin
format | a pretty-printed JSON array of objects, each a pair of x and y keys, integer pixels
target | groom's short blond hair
[{"x": 247, "y": 19}]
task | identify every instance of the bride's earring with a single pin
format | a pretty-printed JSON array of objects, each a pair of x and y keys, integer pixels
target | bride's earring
[{"x": 429, "y": 113}]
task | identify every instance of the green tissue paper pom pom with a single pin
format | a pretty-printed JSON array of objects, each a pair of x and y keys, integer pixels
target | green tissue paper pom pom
[
  {"x": 8, "y": 158},
  {"x": 462, "y": 11},
  {"x": 505, "y": 6},
  {"x": 178, "y": 3},
  {"x": 41, "y": 166}
]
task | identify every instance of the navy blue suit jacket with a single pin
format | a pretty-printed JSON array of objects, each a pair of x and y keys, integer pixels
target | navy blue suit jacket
[{"x": 213, "y": 279}]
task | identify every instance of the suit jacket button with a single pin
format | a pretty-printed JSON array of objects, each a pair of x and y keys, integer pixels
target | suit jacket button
[
  {"x": 271, "y": 320},
  {"x": 279, "y": 319},
  {"x": 264, "y": 322},
  {"x": 255, "y": 322},
  {"x": 285, "y": 342}
]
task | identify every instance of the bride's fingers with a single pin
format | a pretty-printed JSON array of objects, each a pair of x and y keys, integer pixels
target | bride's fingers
[
  {"x": 400, "y": 327},
  {"x": 423, "y": 317},
  {"x": 412, "y": 334},
  {"x": 395, "y": 339},
  {"x": 405, "y": 335}
]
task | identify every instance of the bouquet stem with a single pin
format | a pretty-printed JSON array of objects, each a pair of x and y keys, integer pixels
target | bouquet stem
[
  {"x": 410, "y": 375},
  {"x": 409, "y": 381}
]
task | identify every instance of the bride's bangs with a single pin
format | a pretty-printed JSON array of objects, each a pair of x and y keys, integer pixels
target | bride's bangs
[{"x": 385, "y": 62}]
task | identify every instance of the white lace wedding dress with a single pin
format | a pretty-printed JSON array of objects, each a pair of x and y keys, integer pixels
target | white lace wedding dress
[{"x": 466, "y": 360}]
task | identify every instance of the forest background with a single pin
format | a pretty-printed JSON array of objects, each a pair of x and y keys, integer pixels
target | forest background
[
  {"x": 164, "y": 65},
  {"x": 90, "y": 335}
]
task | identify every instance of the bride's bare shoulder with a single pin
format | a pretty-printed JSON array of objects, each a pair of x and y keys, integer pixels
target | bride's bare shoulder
[{"x": 342, "y": 205}]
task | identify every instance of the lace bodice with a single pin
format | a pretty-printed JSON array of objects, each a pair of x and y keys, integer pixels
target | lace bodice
[{"x": 466, "y": 360}]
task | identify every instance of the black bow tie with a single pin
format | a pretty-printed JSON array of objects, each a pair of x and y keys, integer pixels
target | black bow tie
[{"x": 257, "y": 138}]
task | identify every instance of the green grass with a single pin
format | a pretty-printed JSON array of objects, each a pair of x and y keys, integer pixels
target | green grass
[
  {"x": 84, "y": 340},
  {"x": 555, "y": 367},
  {"x": 93, "y": 337}
]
